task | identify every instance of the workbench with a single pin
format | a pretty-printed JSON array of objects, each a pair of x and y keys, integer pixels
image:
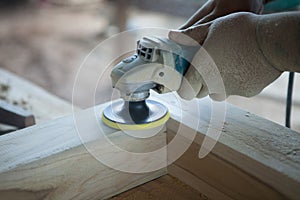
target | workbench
[{"x": 253, "y": 158}]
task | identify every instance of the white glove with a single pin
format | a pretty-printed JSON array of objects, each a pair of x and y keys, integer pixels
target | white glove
[
  {"x": 213, "y": 9},
  {"x": 235, "y": 57}
]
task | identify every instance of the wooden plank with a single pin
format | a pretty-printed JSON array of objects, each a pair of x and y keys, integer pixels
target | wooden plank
[
  {"x": 206, "y": 190},
  {"x": 50, "y": 160},
  {"x": 253, "y": 159},
  {"x": 218, "y": 174},
  {"x": 22, "y": 93}
]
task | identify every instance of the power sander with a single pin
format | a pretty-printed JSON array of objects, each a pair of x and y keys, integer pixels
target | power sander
[{"x": 159, "y": 64}]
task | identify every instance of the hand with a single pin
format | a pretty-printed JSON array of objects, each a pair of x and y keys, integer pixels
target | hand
[
  {"x": 230, "y": 52},
  {"x": 214, "y": 9}
]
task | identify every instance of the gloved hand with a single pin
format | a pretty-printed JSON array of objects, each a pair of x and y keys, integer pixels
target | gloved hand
[
  {"x": 214, "y": 9},
  {"x": 234, "y": 56}
]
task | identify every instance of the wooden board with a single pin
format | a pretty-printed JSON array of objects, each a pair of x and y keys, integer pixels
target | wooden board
[
  {"x": 50, "y": 161},
  {"x": 253, "y": 158},
  {"x": 20, "y": 92}
]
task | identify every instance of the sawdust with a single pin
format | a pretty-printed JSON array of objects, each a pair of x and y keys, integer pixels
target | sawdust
[
  {"x": 21, "y": 103},
  {"x": 4, "y": 95},
  {"x": 4, "y": 87}
]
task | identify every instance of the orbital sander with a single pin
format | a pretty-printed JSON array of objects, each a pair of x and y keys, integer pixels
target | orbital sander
[{"x": 159, "y": 64}]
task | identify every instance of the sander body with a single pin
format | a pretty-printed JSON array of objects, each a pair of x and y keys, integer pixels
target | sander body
[{"x": 159, "y": 64}]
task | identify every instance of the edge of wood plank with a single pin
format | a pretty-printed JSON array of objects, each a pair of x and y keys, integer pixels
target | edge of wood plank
[
  {"x": 51, "y": 156},
  {"x": 246, "y": 138}
]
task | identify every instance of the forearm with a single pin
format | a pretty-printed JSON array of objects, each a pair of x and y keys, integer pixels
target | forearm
[{"x": 278, "y": 36}]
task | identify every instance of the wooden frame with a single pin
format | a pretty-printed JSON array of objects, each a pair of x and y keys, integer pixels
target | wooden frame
[{"x": 253, "y": 159}]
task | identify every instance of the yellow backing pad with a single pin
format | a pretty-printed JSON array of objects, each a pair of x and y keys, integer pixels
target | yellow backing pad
[{"x": 134, "y": 127}]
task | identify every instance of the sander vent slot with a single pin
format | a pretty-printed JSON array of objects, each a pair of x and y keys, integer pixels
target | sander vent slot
[{"x": 145, "y": 53}]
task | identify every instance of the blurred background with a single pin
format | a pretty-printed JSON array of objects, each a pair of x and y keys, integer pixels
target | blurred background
[{"x": 45, "y": 41}]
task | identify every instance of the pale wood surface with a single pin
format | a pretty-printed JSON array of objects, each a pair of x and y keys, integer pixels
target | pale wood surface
[
  {"x": 217, "y": 174},
  {"x": 253, "y": 159},
  {"x": 53, "y": 164},
  {"x": 49, "y": 160},
  {"x": 20, "y": 92}
]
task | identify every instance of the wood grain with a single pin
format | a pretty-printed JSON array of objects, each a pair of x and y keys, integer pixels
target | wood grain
[
  {"x": 253, "y": 158},
  {"x": 22, "y": 93},
  {"x": 50, "y": 160}
]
